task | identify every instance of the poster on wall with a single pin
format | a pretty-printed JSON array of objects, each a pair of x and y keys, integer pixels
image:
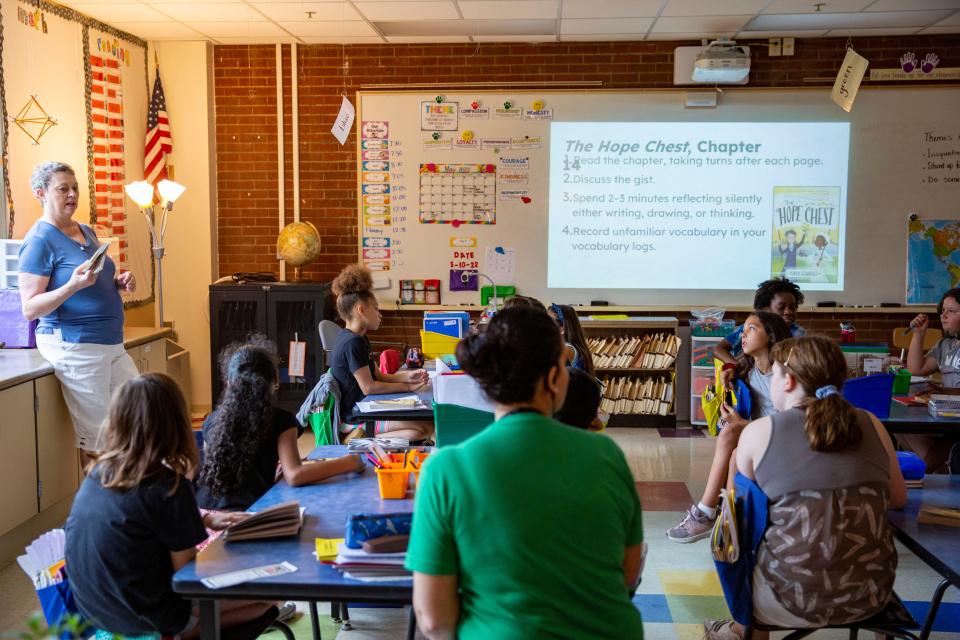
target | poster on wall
[
  {"x": 117, "y": 115},
  {"x": 933, "y": 259},
  {"x": 92, "y": 60},
  {"x": 32, "y": 37}
]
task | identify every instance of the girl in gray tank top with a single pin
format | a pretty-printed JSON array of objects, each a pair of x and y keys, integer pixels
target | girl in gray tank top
[{"x": 830, "y": 473}]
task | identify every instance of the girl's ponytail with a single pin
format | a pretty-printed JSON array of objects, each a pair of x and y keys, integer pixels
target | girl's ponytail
[
  {"x": 831, "y": 424},
  {"x": 818, "y": 366}
]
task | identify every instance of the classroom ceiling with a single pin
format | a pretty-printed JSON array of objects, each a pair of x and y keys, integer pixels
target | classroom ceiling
[{"x": 435, "y": 21}]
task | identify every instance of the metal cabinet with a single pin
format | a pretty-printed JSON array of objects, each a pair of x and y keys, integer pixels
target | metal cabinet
[{"x": 282, "y": 311}]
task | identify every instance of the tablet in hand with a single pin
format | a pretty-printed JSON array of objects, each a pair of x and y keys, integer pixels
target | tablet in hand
[{"x": 99, "y": 258}]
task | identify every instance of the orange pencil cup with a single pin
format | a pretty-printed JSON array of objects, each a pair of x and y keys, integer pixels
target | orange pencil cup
[
  {"x": 393, "y": 482},
  {"x": 416, "y": 464}
]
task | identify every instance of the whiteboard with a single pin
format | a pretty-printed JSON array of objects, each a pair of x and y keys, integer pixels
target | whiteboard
[{"x": 904, "y": 158}]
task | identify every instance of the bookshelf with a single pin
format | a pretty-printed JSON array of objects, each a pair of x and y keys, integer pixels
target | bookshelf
[{"x": 636, "y": 358}]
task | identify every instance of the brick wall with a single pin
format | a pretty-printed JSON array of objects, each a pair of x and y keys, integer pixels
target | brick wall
[
  {"x": 404, "y": 326},
  {"x": 245, "y": 93},
  {"x": 245, "y": 90}
]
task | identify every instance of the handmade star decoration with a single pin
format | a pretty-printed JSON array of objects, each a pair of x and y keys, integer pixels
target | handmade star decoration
[{"x": 33, "y": 120}]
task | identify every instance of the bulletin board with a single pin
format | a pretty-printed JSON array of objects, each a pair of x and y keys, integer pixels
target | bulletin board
[
  {"x": 456, "y": 182},
  {"x": 96, "y": 103}
]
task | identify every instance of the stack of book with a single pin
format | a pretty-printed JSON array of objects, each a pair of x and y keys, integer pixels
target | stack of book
[
  {"x": 624, "y": 395},
  {"x": 371, "y": 567},
  {"x": 650, "y": 351}
]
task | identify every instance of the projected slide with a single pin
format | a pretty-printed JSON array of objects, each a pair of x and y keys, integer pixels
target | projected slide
[{"x": 696, "y": 205}]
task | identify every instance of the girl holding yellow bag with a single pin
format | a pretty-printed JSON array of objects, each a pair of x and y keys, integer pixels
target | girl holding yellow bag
[{"x": 761, "y": 331}]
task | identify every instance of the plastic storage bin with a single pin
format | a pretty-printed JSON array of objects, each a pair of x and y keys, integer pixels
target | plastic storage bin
[
  {"x": 436, "y": 344},
  {"x": 455, "y": 424},
  {"x": 708, "y": 328},
  {"x": 504, "y": 291},
  {"x": 872, "y": 393},
  {"x": 901, "y": 382}
]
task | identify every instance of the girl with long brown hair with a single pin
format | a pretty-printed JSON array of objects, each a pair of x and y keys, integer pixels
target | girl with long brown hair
[{"x": 135, "y": 520}]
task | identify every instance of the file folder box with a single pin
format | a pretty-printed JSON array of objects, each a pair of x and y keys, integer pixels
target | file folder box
[
  {"x": 435, "y": 345},
  {"x": 449, "y": 323}
]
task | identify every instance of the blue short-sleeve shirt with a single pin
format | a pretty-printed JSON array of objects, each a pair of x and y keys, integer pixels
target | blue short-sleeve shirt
[{"x": 91, "y": 315}]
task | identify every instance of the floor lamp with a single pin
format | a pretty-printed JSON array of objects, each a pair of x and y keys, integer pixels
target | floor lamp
[{"x": 142, "y": 193}]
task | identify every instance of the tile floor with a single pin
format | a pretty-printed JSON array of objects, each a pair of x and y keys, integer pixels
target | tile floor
[{"x": 679, "y": 587}]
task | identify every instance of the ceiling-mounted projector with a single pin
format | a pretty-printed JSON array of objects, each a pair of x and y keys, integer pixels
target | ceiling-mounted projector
[{"x": 722, "y": 62}]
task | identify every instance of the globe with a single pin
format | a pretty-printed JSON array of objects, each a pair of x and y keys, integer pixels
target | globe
[{"x": 299, "y": 245}]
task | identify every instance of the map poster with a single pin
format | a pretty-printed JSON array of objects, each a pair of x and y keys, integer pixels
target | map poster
[
  {"x": 806, "y": 234},
  {"x": 933, "y": 259}
]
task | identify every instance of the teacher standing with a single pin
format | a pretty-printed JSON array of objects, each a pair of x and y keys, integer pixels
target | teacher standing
[{"x": 81, "y": 314}]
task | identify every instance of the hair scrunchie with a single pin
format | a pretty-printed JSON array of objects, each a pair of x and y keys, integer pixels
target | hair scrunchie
[{"x": 826, "y": 390}]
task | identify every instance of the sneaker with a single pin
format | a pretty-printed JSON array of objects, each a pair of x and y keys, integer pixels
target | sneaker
[
  {"x": 288, "y": 611},
  {"x": 695, "y": 526},
  {"x": 719, "y": 630}
]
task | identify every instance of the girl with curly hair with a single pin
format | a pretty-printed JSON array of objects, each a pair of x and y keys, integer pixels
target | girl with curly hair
[
  {"x": 247, "y": 434},
  {"x": 779, "y": 296},
  {"x": 350, "y": 362}
]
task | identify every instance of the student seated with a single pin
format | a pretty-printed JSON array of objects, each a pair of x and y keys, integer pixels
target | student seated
[
  {"x": 830, "y": 473},
  {"x": 135, "y": 521},
  {"x": 524, "y": 301},
  {"x": 945, "y": 358},
  {"x": 350, "y": 361},
  {"x": 247, "y": 435},
  {"x": 508, "y": 540},
  {"x": 760, "y": 332},
  {"x": 577, "y": 352},
  {"x": 779, "y": 296},
  {"x": 582, "y": 403}
]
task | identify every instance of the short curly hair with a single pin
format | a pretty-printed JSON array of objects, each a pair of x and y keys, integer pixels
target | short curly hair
[
  {"x": 355, "y": 283},
  {"x": 43, "y": 173},
  {"x": 768, "y": 290}
]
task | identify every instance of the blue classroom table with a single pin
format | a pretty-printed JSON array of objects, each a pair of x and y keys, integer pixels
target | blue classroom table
[
  {"x": 936, "y": 545},
  {"x": 917, "y": 420},
  {"x": 327, "y": 504},
  {"x": 416, "y": 415}
]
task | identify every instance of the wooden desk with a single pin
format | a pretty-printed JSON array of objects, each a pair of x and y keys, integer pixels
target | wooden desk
[{"x": 936, "y": 545}]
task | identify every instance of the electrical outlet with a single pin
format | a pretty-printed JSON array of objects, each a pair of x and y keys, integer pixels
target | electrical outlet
[
  {"x": 773, "y": 47},
  {"x": 788, "y": 46}
]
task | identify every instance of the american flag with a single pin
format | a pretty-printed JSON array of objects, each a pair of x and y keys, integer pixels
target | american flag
[{"x": 159, "y": 143}]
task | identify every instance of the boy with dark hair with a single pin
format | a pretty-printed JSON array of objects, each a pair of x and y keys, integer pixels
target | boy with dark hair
[{"x": 779, "y": 296}]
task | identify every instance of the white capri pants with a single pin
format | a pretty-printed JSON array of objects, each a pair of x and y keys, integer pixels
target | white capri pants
[{"x": 88, "y": 374}]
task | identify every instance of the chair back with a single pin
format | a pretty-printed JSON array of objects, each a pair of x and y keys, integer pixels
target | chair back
[
  {"x": 328, "y": 334},
  {"x": 902, "y": 339}
]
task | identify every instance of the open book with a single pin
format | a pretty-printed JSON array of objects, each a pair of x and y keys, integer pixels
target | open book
[
  {"x": 282, "y": 520},
  {"x": 939, "y": 515}
]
